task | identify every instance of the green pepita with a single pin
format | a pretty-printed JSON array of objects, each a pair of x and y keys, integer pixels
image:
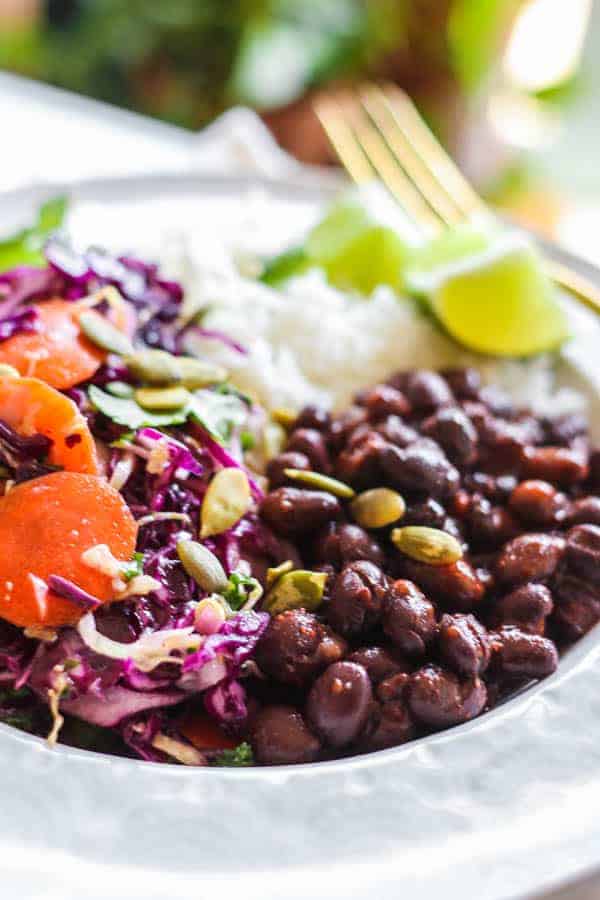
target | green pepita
[
  {"x": 284, "y": 416},
  {"x": 162, "y": 398},
  {"x": 7, "y": 371},
  {"x": 300, "y": 588},
  {"x": 154, "y": 367},
  {"x": 378, "y": 508},
  {"x": 275, "y": 573},
  {"x": 321, "y": 482},
  {"x": 202, "y": 565},
  {"x": 427, "y": 545},
  {"x": 195, "y": 373},
  {"x": 104, "y": 334},
  {"x": 227, "y": 499}
]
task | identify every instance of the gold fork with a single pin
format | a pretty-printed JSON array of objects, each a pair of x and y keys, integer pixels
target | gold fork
[{"x": 377, "y": 131}]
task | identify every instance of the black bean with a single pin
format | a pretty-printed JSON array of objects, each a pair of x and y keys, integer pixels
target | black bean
[
  {"x": 527, "y": 607},
  {"x": 391, "y": 725},
  {"x": 296, "y": 647},
  {"x": 465, "y": 384},
  {"x": 586, "y": 510},
  {"x": 292, "y": 511},
  {"x": 340, "y": 543},
  {"x": 408, "y": 618},
  {"x": 577, "y": 607},
  {"x": 356, "y": 598},
  {"x": 464, "y": 644},
  {"x": 312, "y": 444},
  {"x": 360, "y": 464},
  {"x": 439, "y": 699},
  {"x": 489, "y": 526},
  {"x": 343, "y": 425},
  {"x": 393, "y": 687},
  {"x": 538, "y": 503},
  {"x": 427, "y": 512},
  {"x": 379, "y": 662},
  {"x": 457, "y": 586},
  {"x": 396, "y": 431},
  {"x": 420, "y": 467},
  {"x": 526, "y": 655},
  {"x": 275, "y": 471},
  {"x": 562, "y": 466},
  {"x": 313, "y": 417},
  {"x": 583, "y": 551},
  {"x": 339, "y": 703},
  {"x": 455, "y": 433},
  {"x": 280, "y": 736},
  {"x": 563, "y": 430},
  {"x": 427, "y": 390},
  {"x": 384, "y": 400},
  {"x": 530, "y": 557}
]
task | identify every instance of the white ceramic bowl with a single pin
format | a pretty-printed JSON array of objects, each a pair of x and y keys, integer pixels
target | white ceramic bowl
[{"x": 501, "y": 807}]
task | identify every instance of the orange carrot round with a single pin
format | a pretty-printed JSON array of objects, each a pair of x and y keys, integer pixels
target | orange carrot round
[
  {"x": 32, "y": 407},
  {"x": 58, "y": 352},
  {"x": 46, "y": 524}
]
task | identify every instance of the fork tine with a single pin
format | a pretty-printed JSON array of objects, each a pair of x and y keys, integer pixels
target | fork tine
[
  {"x": 342, "y": 140},
  {"x": 446, "y": 175},
  {"x": 400, "y": 143},
  {"x": 353, "y": 136}
]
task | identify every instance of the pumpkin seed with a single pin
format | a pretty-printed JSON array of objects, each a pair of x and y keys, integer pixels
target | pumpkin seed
[
  {"x": 120, "y": 389},
  {"x": 195, "y": 373},
  {"x": 275, "y": 573},
  {"x": 162, "y": 398},
  {"x": 427, "y": 545},
  {"x": 321, "y": 482},
  {"x": 202, "y": 565},
  {"x": 284, "y": 416},
  {"x": 7, "y": 371},
  {"x": 227, "y": 499},
  {"x": 154, "y": 367},
  {"x": 300, "y": 588},
  {"x": 274, "y": 438},
  {"x": 104, "y": 334},
  {"x": 378, "y": 508}
]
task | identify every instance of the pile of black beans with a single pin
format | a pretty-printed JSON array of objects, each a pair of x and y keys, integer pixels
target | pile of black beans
[{"x": 400, "y": 648}]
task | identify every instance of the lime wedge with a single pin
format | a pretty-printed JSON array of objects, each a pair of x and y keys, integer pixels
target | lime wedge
[
  {"x": 374, "y": 257},
  {"x": 499, "y": 301},
  {"x": 355, "y": 253},
  {"x": 460, "y": 242}
]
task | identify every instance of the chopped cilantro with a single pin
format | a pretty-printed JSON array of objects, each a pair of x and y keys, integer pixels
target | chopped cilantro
[
  {"x": 239, "y": 756},
  {"x": 239, "y": 589},
  {"x": 134, "y": 567}
]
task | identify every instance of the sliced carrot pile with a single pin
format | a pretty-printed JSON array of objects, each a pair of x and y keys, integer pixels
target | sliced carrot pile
[
  {"x": 204, "y": 733},
  {"x": 32, "y": 407},
  {"x": 46, "y": 524},
  {"x": 58, "y": 352}
]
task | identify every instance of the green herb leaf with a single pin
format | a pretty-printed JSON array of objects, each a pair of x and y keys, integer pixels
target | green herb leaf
[
  {"x": 25, "y": 247},
  {"x": 247, "y": 440},
  {"x": 239, "y": 589},
  {"x": 125, "y": 411},
  {"x": 133, "y": 567},
  {"x": 240, "y": 756},
  {"x": 285, "y": 265},
  {"x": 219, "y": 412}
]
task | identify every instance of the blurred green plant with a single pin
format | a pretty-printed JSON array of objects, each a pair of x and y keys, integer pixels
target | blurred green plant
[{"x": 187, "y": 60}]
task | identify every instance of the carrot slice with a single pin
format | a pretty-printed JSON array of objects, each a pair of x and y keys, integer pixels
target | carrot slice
[
  {"x": 204, "y": 733},
  {"x": 58, "y": 352},
  {"x": 46, "y": 524},
  {"x": 32, "y": 407}
]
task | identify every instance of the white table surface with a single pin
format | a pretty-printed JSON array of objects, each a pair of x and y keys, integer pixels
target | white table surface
[{"x": 50, "y": 136}]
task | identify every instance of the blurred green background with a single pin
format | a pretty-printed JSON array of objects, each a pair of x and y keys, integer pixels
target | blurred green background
[{"x": 492, "y": 76}]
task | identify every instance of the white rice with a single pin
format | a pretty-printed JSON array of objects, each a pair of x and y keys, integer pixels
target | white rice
[{"x": 309, "y": 342}]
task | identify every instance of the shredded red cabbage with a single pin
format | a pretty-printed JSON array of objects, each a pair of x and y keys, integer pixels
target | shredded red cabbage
[{"x": 70, "y": 591}]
